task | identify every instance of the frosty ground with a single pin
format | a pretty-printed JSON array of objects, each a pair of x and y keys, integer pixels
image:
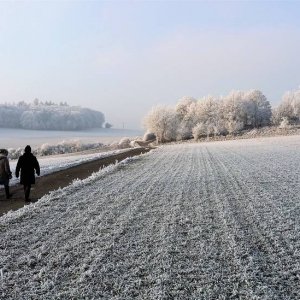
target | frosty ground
[{"x": 216, "y": 220}]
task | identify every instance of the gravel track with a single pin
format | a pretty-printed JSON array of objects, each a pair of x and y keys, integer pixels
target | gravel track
[{"x": 186, "y": 221}]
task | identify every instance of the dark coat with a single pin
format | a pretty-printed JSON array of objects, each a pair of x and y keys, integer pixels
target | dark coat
[
  {"x": 5, "y": 173},
  {"x": 27, "y": 163}
]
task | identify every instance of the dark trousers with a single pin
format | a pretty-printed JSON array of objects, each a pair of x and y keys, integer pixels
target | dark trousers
[
  {"x": 27, "y": 188},
  {"x": 6, "y": 187}
]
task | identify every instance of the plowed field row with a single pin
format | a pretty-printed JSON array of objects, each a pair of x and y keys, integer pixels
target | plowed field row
[{"x": 187, "y": 221}]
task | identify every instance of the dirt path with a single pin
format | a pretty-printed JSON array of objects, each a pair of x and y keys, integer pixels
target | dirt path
[{"x": 59, "y": 179}]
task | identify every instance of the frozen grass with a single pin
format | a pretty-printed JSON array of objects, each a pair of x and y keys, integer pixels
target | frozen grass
[
  {"x": 60, "y": 148},
  {"x": 187, "y": 221}
]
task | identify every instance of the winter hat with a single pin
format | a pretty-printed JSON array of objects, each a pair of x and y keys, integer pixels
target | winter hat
[
  {"x": 4, "y": 151},
  {"x": 27, "y": 149}
]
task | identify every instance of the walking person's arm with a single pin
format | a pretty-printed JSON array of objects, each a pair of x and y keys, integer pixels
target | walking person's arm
[
  {"x": 18, "y": 168},
  {"x": 7, "y": 168},
  {"x": 37, "y": 167}
]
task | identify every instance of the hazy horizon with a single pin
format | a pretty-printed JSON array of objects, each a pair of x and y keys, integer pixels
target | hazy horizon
[{"x": 124, "y": 57}]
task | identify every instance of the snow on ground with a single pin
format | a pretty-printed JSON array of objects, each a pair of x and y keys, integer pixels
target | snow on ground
[
  {"x": 54, "y": 163},
  {"x": 186, "y": 221}
]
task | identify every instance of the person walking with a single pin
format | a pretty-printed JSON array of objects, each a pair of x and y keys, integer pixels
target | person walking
[
  {"x": 28, "y": 164},
  {"x": 5, "y": 173}
]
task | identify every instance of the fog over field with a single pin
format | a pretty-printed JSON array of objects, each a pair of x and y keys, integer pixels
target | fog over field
[
  {"x": 15, "y": 138},
  {"x": 124, "y": 57},
  {"x": 213, "y": 220}
]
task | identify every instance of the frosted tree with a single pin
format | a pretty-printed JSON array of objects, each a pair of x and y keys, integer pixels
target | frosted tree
[
  {"x": 289, "y": 108},
  {"x": 232, "y": 112},
  {"x": 184, "y": 110},
  {"x": 36, "y": 102},
  {"x": 200, "y": 130},
  {"x": 163, "y": 122},
  {"x": 182, "y": 106},
  {"x": 49, "y": 116},
  {"x": 234, "y": 126},
  {"x": 10, "y": 116},
  {"x": 27, "y": 120},
  {"x": 219, "y": 125},
  {"x": 208, "y": 113},
  {"x": 23, "y": 105},
  {"x": 257, "y": 109},
  {"x": 285, "y": 123},
  {"x": 212, "y": 116}
]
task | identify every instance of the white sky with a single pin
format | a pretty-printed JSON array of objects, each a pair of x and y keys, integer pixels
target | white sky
[{"x": 123, "y": 57}]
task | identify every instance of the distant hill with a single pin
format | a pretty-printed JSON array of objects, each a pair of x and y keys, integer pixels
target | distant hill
[{"x": 49, "y": 116}]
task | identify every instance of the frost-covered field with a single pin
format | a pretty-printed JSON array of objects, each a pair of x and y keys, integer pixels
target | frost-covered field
[{"x": 187, "y": 221}]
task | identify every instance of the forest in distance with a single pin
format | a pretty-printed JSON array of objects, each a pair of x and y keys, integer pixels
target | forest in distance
[{"x": 50, "y": 116}]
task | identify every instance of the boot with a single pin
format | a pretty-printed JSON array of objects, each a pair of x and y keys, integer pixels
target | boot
[{"x": 8, "y": 195}]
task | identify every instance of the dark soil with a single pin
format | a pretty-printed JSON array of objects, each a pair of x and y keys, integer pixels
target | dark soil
[{"x": 59, "y": 179}]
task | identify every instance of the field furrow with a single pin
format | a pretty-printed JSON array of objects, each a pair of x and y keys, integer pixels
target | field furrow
[{"x": 186, "y": 221}]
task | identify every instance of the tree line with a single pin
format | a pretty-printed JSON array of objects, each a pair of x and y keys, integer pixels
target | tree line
[
  {"x": 49, "y": 116},
  {"x": 212, "y": 116}
]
